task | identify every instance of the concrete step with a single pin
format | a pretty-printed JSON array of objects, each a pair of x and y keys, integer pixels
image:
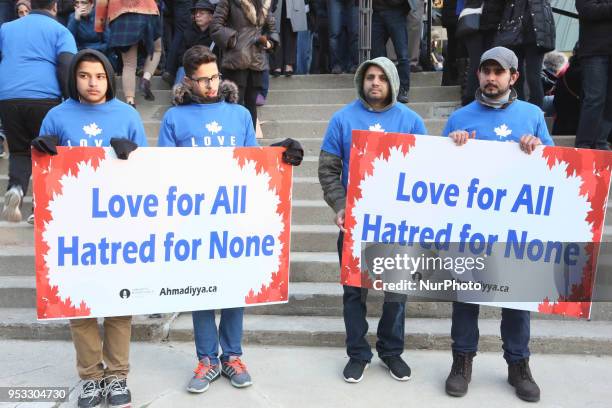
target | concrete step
[
  {"x": 554, "y": 337},
  {"x": 313, "y": 96},
  {"x": 576, "y": 337},
  {"x": 343, "y": 81},
  {"x": 156, "y": 83},
  {"x": 21, "y": 323},
  {"x": 305, "y": 299}
]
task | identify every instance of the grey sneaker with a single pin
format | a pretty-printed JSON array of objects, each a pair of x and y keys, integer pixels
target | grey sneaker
[
  {"x": 91, "y": 394},
  {"x": 236, "y": 371},
  {"x": 12, "y": 204},
  {"x": 117, "y": 393},
  {"x": 205, "y": 373}
]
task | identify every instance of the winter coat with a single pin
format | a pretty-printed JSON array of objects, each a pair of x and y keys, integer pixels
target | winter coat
[
  {"x": 295, "y": 11},
  {"x": 595, "y": 36},
  {"x": 527, "y": 22},
  {"x": 108, "y": 10},
  {"x": 194, "y": 36},
  {"x": 492, "y": 11},
  {"x": 236, "y": 27},
  {"x": 85, "y": 35}
]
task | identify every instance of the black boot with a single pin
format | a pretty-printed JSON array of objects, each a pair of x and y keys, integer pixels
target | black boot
[
  {"x": 460, "y": 375},
  {"x": 402, "y": 96},
  {"x": 519, "y": 376}
]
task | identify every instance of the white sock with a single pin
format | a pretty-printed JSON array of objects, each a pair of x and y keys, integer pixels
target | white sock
[{"x": 147, "y": 76}]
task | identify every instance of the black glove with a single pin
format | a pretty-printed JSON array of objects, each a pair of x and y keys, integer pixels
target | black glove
[
  {"x": 294, "y": 153},
  {"x": 123, "y": 147},
  {"x": 46, "y": 144}
]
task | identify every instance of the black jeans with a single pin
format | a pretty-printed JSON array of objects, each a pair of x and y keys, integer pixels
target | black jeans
[
  {"x": 596, "y": 113},
  {"x": 515, "y": 331},
  {"x": 530, "y": 66},
  {"x": 250, "y": 83},
  {"x": 21, "y": 120},
  {"x": 390, "y": 331},
  {"x": 285, "y": 53}
]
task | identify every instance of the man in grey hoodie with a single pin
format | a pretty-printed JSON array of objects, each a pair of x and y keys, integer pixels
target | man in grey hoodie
[{"x": 376, "y": 108}]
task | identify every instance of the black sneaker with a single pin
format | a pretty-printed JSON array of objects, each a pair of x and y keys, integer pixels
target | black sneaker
[
  {"x": 402, "y": 96},
  {"x": 519, "y": 376},
  {"x": 91, "y": 394},
  {"x": 397, "y": 367},
  {"x": 460, "y": 374},
  {"x": 117, "y": 393},
  {"x": 353, "y": 371}
]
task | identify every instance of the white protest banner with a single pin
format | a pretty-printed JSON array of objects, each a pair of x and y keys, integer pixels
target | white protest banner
[
  {"x": 532, "y": 224},
  {"x": 168, "y": 230}
]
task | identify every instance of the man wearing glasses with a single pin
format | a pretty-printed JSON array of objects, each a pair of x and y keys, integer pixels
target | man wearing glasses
[{"x": 207, "y": 115}]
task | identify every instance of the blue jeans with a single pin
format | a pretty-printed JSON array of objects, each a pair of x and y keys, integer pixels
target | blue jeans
[
  {"x": 229, "y": 335},
  {"x": 515, "y": 331},
  {"x": 392, "y": 24},
  {"x": 304, "y": 52},
  {"x": 594, "y": 127},
  {"x": 390, "y": 331},
  {"x": 180, "y": 74},
  {"x": 335, "y": 10}
]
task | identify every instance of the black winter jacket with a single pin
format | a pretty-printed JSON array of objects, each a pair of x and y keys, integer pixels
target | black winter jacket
[
  {"x": 400, "y": 5},
  {"x": 595, "y": 35},
  {"x": 491, "y": 12},
  {"x": 527, "y": 22}
]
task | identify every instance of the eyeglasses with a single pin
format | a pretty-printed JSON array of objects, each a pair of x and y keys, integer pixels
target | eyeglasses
[
  {"x": 204, "y": 81},
  {"x": 81, "y": 3}
]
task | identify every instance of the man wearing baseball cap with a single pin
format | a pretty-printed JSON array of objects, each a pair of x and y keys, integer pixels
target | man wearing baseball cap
[{"x": 497, "y": 115}]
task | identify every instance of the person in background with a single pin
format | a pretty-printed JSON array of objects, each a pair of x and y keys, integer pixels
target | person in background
[
  {"x": 198, "y": 33},
  {"x": 245, "y": 32},
  {"x": 414, "y": 22},
  {"x": 81, "y": 25},
  {"x": 337, "y": 10},
  {"x": 23, "y": 8},
  {"x": 36, "y": 52},
  {"x": 595, "y": 53},
  {"x": 289, "y": 17},
  {"x": 132, "y": 24}
]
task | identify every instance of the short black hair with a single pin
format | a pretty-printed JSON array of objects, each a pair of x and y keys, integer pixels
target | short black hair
[
  {"x": 196, "y": 56},
  {"x": 42, "y": 4}
]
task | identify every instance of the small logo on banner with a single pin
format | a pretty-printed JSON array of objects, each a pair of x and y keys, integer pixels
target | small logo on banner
[{"x": 124, "y": 293}]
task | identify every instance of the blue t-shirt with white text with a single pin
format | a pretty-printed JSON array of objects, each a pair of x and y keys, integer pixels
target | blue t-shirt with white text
[
  {"x": 80, "y": 124},
  {"x": 355, "y": 116},
  {"x": 207, "y": 125},
  {"x": 30, "y": 46},
  {"x": 504, "y": 125}
]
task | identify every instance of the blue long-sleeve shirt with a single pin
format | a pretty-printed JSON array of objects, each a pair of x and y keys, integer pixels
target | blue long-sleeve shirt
[{"x": 85, "y": 35}]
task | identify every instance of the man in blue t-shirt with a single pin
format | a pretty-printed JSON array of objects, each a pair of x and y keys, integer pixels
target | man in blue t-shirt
[
  {"x": 92, "y": 116},
  {"x": 496, "y": 115},
  {"x": 376, "y": 108},
  {"x": 35, "y": 54},
  {"x": 207, "y": 115}
]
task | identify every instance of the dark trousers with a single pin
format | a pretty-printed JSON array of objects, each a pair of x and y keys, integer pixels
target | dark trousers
[
  {"x": 596, "y": 113},
  {"x": 515, "y": 331},
  {"x": 476, "y": 45},
  {"x": 249, "y": 83},
  {"x": 392, "y": 24},
  {"x": 285, "y": 53},
  {"x": 530, "y": 67},
  {"x": 21, "y": 120},
  {"x": 182, "y": 20},
  {"x": 337, "y": 10},
  {"x": 390, "y": 331}
]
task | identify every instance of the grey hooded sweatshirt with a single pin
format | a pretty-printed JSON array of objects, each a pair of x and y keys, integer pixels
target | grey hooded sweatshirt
[{"x": 354, "y": 116}]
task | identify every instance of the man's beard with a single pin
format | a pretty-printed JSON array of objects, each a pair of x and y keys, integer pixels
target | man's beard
[{"x": 496, "y": 93}]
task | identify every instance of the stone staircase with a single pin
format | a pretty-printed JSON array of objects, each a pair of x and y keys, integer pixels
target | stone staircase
[{"x": 299, "y": 107}]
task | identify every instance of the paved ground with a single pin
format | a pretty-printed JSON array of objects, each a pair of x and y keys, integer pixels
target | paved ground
[{"x": 310, "y": 377}]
